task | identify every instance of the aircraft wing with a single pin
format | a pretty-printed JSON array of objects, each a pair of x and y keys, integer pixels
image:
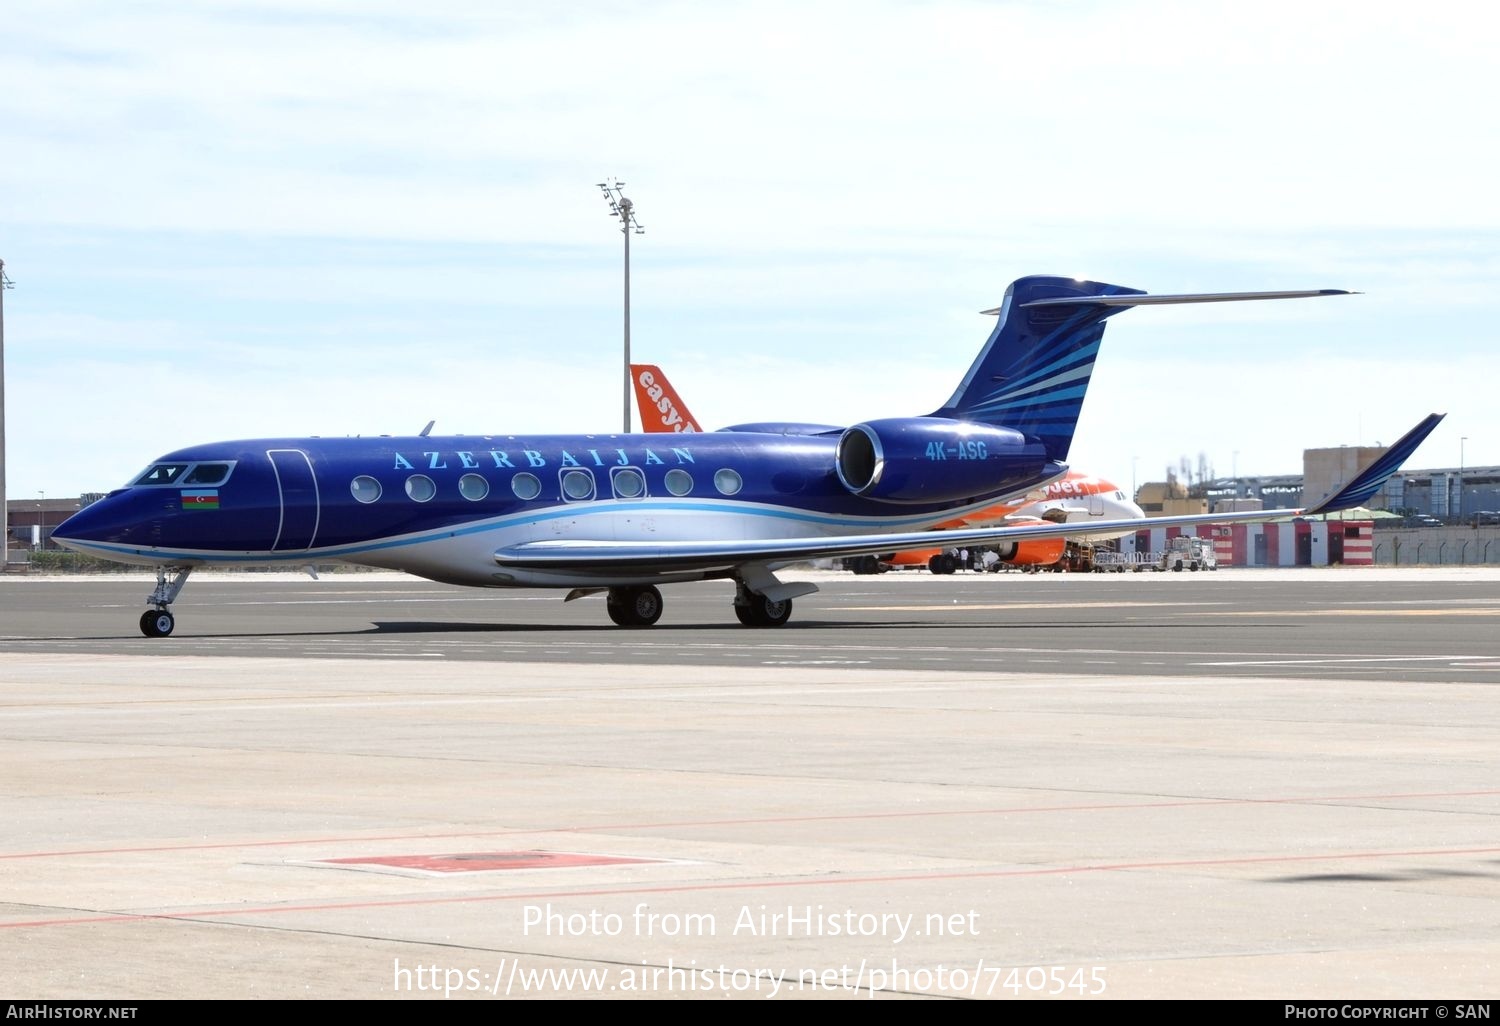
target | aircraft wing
[
  {"x": 679, "y": 556},
  {"x": 676, "y": 557}
]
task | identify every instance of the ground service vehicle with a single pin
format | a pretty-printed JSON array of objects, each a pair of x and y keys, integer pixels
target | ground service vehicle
[{"x": 1188, "y": 553}]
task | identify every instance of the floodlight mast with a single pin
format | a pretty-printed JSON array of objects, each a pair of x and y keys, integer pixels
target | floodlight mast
[
  {"x": 624, "y": 210},
  {"x": 4, "y": 505}
]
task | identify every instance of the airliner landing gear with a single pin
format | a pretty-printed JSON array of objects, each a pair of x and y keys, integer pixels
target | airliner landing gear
[
  {"x": 158, "y": 622},
  {"x": 755, "y": 610},
  {"x": 634, "y": 607}
]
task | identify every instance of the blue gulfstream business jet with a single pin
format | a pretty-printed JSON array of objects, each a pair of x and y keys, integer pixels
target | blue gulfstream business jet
[{"x": 622, "y": 514}]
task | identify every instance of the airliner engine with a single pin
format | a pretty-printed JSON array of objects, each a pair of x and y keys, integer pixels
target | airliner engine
[
  {"x": 933, "y": 459},
  {"x": 1040, "y": 552}
]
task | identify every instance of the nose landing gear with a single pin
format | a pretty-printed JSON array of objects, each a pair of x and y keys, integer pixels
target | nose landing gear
[{"x": 158, "y": 622}]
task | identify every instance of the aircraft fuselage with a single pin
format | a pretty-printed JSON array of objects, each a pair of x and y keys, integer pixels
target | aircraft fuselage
[{"x": 440, "y": 507}]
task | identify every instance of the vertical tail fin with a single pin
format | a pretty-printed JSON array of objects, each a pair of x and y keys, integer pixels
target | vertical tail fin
[
  {"x": 661, "y": 408},
  {"x": 1033, "y": 371}
]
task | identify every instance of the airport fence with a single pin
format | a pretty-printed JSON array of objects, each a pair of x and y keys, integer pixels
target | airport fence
[{"x": 1437, "y": 546}]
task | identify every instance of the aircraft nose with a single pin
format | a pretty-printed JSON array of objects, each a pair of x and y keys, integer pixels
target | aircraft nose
[
  {"x": 85, "y": 525},
  {"x": 119, "y": 518}
]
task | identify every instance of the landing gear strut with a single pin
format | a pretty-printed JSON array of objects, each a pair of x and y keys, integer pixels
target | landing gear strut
[
  {"x": 634, "y": 607},
  {"x": 159, "y": 621}
]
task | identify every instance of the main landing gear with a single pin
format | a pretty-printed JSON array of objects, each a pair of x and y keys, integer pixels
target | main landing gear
[
  {"x": 755, "y": 610},
  {"x": 942, "y": 563},
  {"x": 634, "y": 607},
  {"x": 158, "y": 622},
  {"x": 641, "y": 606}
]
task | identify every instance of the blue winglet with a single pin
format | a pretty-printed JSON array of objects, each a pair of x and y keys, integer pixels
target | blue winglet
[{"x": 1370, "y": 480}]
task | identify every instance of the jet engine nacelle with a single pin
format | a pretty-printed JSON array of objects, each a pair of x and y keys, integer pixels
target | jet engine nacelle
[
  {"x": 1038, "y": 552},
  {"x": 933, "y": 459}
]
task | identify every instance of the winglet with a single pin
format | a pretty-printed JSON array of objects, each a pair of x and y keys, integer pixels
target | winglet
[{"x": 1370, "y": 480}]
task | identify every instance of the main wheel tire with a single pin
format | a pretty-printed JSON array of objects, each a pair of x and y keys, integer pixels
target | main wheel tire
[
  {"x": 762, "y": 612},
  {"x": 634, "y": 607},
  {"x": 157, "y": 623}
]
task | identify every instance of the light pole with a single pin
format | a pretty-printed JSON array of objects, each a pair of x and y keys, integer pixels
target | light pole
[
  {"x": 1461, "y": 442},
  {"x": 622, "y": 208},
  {"x": 4, "y": 506}
]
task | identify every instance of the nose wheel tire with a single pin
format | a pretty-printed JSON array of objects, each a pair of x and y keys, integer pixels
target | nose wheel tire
[
  {"x": 157, "y": 623},
  {"x": 634, "y": 607}
]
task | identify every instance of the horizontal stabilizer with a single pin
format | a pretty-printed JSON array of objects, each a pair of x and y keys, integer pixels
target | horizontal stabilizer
[{"x": 1199, "y": 297}]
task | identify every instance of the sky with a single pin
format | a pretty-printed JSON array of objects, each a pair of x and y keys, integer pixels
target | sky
[{"x": 267, "y": 219}]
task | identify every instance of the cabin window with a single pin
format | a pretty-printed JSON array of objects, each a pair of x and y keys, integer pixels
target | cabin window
[
  {"x": 578, "y": 485},
  {"x": 679, "y": 481},
  {"x": 628, "y": 483},
  {"x": 526, "y": 486},
  {"x": 208, "y": 474},
  {"x": 364, "y": 489},
  {"x": 161, "y": 473},
  {"x": 473, "y": 487},
  {"x": 419, "y": 488},
  {"x": 727, "y": 481}
]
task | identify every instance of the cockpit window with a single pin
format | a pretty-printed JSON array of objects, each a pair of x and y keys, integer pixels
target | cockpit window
[
  {"x": 161, "y": 474},
  {"x": 208, "y": 474},
  {"x": 186, "y": 474}
]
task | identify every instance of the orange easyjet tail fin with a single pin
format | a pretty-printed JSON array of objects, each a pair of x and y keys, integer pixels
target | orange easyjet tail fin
[{"x": 661, "y": 408}]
